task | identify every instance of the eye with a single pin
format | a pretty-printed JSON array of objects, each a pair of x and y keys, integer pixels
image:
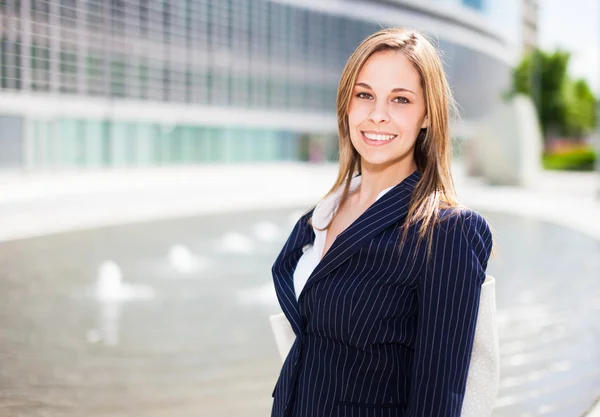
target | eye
[
  {"x": 401, "y": 99},
  {"x": 364, "y": 95}
]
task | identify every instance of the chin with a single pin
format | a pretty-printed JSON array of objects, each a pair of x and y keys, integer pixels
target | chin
[
  {"x": 384, "y": 159},
  {"x": 380, "y": 162}
]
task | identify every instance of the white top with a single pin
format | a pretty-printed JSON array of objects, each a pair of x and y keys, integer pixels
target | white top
[{"x": 321, "y": 217}]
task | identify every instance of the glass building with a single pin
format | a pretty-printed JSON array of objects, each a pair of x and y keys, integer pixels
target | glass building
[{"x": 101, "y": 83}]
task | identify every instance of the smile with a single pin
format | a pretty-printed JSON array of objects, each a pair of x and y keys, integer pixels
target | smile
[{"x": 377, "y": 138}]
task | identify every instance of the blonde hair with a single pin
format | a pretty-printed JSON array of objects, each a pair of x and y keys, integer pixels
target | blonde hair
[{"x": 435, "y": 190}]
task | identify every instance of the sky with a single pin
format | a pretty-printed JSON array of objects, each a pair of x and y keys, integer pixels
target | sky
[{"x": 573, "y": 25}]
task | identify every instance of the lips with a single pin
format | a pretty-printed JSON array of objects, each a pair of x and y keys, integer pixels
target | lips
[{"x": 377, "y": 138}]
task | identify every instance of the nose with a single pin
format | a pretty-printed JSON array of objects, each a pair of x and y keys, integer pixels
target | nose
[{"x": 379, "y": 113}]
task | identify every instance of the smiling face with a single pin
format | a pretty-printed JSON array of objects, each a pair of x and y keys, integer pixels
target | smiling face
[{"x": 386, "y": 111}]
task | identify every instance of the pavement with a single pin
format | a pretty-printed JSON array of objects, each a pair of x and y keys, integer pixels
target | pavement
[{"x": 37, "y": 204}]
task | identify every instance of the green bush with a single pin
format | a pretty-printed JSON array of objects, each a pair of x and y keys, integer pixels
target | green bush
[{"x": 582, "y": 159}]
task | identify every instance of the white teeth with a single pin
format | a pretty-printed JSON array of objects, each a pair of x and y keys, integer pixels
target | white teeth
[{"x": 378, "y": 137}]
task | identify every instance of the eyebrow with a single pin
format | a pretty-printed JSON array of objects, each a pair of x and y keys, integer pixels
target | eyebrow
[{"x": 395, "y": 90}]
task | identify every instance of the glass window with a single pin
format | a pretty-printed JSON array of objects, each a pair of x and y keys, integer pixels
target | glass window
[
  {"x": 95, "y": 73},
  {"x": 298, "y": 94},
  {"x": 229, "y": 145},
  {"x": 178, "y": 84},
  {"x": 68, "y": 68},
  {"x": 129, "y": 149},
  {"x": 166, "y": 20},
  {"x": 118, "y": 68},
  {"x": 166, "y": 82},
  {"x": 3, "y": 63},
  {"x": 254, "y": 139},
  {"x": 279, "y": 99},
  {"x": 143, "y": 79},
  {"x": 188, "y": 85},
  {"x": 220, "y": 86},
  {"x": 286, "y": 146},
  {"x": 68, "y": 12},
  {"x": 119, "y": 135},
  {"x": 44, "y": 148},
  {"x": 155, "y": 79},
  {"x": 200, "y": 91},
  {"x": 143, "y": 16},
  {"x": 117, "y": 12},
  {"x": 40, "y": 9},
  {"x": 204, "y": 144},
  {"x": 10, "y": 64},
  {"x": 216, "y": 144},
  {"x": 145, "y": 144},
  {"x": 18, "y": 64},
  {"x": 229, "y": 29},
  {"x": 175, "y": 145},
  {"x": 239, "y": 93},
  {"x": 40, "y": 67},
  {"x": 70, "y": 142},
  {"x": 240, "y": 27},
  {"x": 194, "y": 150},
  {"x": 158, "y": 151},
  {"x": 270, "y": 145},
  {"x": 93, "y": 138},
  {"x": 187, "y": 144}
]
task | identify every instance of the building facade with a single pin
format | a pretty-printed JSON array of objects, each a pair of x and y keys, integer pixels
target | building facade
[
  {"x": 530, "y": 24},
  {"x": 102, "y": 83}
]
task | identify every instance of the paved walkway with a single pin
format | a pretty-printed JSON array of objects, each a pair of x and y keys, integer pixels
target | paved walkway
[
  {"x": 38, "y": 204},
  {"x": 571, "y": 199}
]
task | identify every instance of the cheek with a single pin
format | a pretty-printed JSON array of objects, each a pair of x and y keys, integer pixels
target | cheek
[
  {"x": 407, "y": 119},
  {"x": 357, "y": 114}
]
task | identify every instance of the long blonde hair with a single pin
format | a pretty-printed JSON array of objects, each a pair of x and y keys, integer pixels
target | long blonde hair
[{"x": 435, "y": 190}]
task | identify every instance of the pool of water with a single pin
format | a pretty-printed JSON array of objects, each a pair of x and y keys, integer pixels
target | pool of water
[{"x": 171, "y": 318}]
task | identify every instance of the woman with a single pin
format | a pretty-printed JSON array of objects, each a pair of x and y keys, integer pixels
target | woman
[{"x": 381, "y": 281}]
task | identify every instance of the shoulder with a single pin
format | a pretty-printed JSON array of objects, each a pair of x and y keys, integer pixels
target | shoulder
[
  {"x": 464, "y": 225},
  {"x": 468, "y": 221},
  {"x": 304, "y": 220}
]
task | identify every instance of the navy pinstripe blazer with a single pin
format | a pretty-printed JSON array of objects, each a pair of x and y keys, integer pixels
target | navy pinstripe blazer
[{"x": 380, "y": 332}]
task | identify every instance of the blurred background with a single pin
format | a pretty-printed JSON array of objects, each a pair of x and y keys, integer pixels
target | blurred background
[{"x": 155, "y": 154}]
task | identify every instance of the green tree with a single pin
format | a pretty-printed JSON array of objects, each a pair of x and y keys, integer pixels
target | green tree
[
  {"x": 565, "y": 108},
  {"x": 543, "y": 77},
  {"x": 581, "y": 108}
]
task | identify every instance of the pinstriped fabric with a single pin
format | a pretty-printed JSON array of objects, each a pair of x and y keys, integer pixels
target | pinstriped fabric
[{"x": 378, "y": 331}]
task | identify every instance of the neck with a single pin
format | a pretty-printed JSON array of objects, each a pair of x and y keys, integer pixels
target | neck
[{"x": 376, "y": 179}]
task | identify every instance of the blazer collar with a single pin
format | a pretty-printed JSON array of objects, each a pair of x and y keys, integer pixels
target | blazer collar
[{"x": 389, "y": 209}]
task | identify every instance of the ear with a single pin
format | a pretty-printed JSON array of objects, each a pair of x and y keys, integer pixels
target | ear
[{"x": 425, "y": 123}]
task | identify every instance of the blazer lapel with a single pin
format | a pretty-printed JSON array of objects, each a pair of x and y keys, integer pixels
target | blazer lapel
[
  {"x": 284, "y": 266},
  {"x": 390, "y": 208}
]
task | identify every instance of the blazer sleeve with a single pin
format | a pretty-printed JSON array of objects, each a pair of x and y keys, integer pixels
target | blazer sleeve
[{"x": 448, "y": 303}]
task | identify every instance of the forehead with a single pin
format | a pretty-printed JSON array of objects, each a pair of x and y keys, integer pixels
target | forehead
[{"x": 389, "y": 69}]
